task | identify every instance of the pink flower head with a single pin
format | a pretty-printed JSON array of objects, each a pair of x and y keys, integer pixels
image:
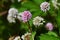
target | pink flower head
[
  {"x": 45, "y": 6},
  {"x": 49, "y": 26},
  {"x": 26, "y": 15}
]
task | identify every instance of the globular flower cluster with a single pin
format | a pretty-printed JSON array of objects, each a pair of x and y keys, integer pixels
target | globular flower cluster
[
  {"x": 19, "y": 16},
  {"x": 26, "y": 15},
  {"x": 37, "y": 21},
  {"x": 26, "y": 36},
  {"x": 14, "y": 1},
  {"x": 19, "y": 0},
  {"x": 49, "y": 26},
  {"x": 55, "y": 4},
  {"x": 12, "y": 15},
  {"x": 14, "y": 38},
  {"x": 17, "y": 38},
  {"x": 45, "y": 6}
]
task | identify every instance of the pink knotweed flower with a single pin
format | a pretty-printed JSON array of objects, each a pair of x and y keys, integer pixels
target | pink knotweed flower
[
  {"x": 49, "y": 26},
  {"x": 26, "y": 15},
  {"x": 45, "y": 6}
]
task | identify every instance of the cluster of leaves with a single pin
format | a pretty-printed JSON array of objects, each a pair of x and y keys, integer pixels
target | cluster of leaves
[{"x": 18, "y": 28}]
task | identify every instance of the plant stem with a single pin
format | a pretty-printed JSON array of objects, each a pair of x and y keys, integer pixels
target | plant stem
[{"x": 30, "y": 29}]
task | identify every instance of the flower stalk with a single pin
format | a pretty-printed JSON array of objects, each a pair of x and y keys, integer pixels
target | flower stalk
[{"x": 29, "y": 27}]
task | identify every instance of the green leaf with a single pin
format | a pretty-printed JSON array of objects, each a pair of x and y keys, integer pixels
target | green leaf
[
  {"x": 29, "y": 5},
  {"x": 47, "y": 37},
  {"x": 32, "y": 36},
  {"x": 21, "y": 9},
  {"x": 52, "y": 33},
  {"x": 39, "y": 1}
]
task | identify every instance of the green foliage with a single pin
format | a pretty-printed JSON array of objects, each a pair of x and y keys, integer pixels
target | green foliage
[
  {"x": 47, "y": 37},
  {"x": 39, "y": 1},
  {"x": 32, "y": 36},
  {"x": 52, "y": 33}
]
